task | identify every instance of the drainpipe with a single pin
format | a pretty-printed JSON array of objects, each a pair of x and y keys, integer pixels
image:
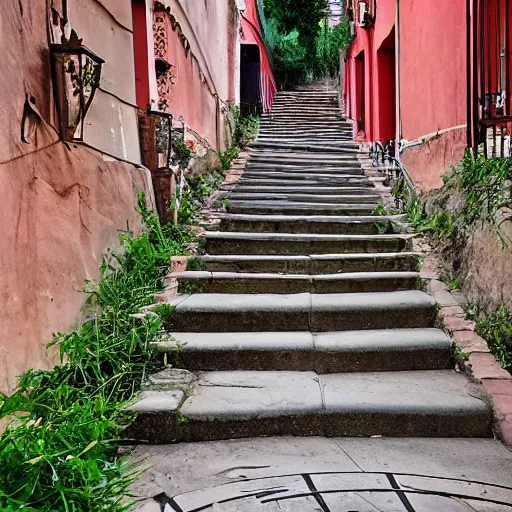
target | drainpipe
[{"x": 398, "y": 119}]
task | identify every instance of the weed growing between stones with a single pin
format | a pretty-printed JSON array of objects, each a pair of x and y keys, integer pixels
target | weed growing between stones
[
  {"x": 60, "y": 451},
  {"x": 195, "y": 264},
  {"x": 496, "y": 330},
  {"x": 451, "y": 282},
  {"x": 190, "y": 286}
]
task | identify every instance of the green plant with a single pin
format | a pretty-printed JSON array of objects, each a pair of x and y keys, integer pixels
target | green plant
[
  {"x": 451, "y": 282},
  {"x": 459, "y": 354},
  {"x": 496, "y": 330},
  {"x": 380, "y": 210},
  {"x": 60, "y": 449},
  {"x": 191, "y": 286},
  {"x": 195, "y": 264}
]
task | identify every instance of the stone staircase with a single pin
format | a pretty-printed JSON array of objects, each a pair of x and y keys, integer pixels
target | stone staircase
[{"x": 306, "y": 316}]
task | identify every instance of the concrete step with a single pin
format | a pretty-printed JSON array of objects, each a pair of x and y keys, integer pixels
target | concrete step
[
  {"x": 291, "y": 197},
  {"x": 295, "y": 208},
  {"x": 299, "y": 243},
  {"x": 344, "y": 148},
  {"x": 271, "y": 161},
  {"x": 313, "y": 224},
  {"x": 291, "y": 189},
  {"x": 312, "y": 264},
  {"x": 229, "y": 405},
  {"x": 303, "y": 173},
  {"x": 330, "y": 352},
  {"x": 316, "y": 181},
  {"x": 302, "y": 312},
  {"x": 244, "y": 283}
]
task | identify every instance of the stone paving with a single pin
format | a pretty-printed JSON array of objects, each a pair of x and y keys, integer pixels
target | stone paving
[{"x": 307, "y": 319}]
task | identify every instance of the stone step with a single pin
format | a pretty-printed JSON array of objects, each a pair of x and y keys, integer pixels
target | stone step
[
  {"x": 349, "y": 282},
  {"x": 291, "y": 189},
  {"x": 302, "y": 197},
  {"x": 330, "y": 352},
  {"x": 290, "y": 172},
  {"x": 298, "y": 243},
  {"x": 273, "y": 161},
  {"x": 317, "y": 180},
  {"x": 313, "y": 224},
  {"x": 344, "y": 148},
  {"x": 312, "y": 264},
  {"x": 302, "y": 312},
  {"x": 273, "y": 207},
  {"x": 237, "y": 404}
]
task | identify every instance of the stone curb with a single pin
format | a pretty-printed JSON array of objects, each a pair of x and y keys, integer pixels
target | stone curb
[{"x": 481, "y": 365}]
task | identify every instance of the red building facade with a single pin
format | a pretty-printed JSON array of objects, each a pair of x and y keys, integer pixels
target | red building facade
[{"x": 405, "y": 80}]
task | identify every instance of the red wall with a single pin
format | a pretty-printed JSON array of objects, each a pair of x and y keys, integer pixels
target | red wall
[
  {"x": 432, "y": 82},
  {"x": 369, "y": 42},
  {"x": 432, "y": 65}
]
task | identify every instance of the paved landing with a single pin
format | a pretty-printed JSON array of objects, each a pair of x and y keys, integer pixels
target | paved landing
[{"x": 327, "y": 475}]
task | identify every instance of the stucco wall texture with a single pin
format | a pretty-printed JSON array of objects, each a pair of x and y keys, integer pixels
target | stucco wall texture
[
  {"x": 205, "y": 75},
  {"x": 62, "y": 204}
]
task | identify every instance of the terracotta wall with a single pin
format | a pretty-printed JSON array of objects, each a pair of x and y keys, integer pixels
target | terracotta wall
[{"x": 62, "y": 204}]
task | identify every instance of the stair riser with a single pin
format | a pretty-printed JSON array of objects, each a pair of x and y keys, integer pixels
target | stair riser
[
  {"x": 290, "y": 321},
  {"x": 219, "y": 246},
  {"x": 315, "y": 267},
  {"x": 162, "y": 428},
  {"x": 320, "y": 362},
  {"x": 292, "y": 210},
  {"x": 287, "y": 286},
  {"x": 273, "y": 162},
  {"x": 317, "y": 228},
  {"x": 277, "y": 182},
  {"x": 325, "y": 191},
  {"x": 302, "y": 198}
]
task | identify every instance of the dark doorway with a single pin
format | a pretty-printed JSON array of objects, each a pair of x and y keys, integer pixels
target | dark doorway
[
  {"x": 360, "y": 92},
  {"x": 387, "y": 88},
  {"x": 250, "y": 79}
]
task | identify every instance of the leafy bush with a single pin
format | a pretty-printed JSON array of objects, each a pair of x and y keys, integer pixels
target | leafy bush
[{"x": 60, "y": 451}]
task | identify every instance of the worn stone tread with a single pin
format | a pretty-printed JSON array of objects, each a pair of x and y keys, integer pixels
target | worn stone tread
[{"x": 223, "y": 405}]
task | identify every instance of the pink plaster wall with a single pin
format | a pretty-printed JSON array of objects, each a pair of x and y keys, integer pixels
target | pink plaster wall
[
  {"x": 427, "y": 163},
  {"x": 433, "y": 65},
  {"x": 62, "y": 205},
  {"x": 205, "y": 75}
]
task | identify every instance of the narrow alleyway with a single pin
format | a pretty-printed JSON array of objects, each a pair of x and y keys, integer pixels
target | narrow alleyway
[{"x": 307, "y": 319}]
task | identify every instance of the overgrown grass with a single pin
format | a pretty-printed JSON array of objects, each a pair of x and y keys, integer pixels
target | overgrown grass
[
  {"x": 60, "y": 451},
  {"x": 496, "y": 330},
  {"x": 485, "y": 187}
]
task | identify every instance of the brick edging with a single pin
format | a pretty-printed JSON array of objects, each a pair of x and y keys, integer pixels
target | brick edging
[{"x": 481, "y": 364}]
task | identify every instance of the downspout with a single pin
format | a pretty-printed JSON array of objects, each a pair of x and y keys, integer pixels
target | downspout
[
  {"x": 469, "y": 127},
  {"x": 398, "y": 114}
]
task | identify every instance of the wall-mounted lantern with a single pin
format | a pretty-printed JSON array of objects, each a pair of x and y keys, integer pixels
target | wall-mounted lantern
[
  {"x": 366, "y": 10},
  {"x": 76, "y": 76}
]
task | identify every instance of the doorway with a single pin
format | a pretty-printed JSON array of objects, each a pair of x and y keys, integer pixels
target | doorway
[
  {"x": 250, "y": 79},
  {"x": 387, "y": 88}
]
